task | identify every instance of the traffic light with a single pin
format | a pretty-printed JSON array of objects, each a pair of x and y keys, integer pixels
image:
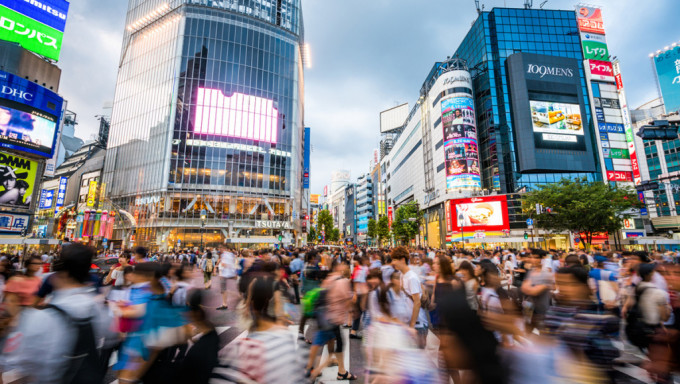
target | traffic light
[
  {"x": 659, "y": 130},
  {"x": 526, "y": 236}
]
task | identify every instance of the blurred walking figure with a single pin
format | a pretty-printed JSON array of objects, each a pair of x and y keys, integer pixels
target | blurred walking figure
[
  {"x": 268, "y": 354},
  {"x": 207, "y": 266},
  {"x": 61, "y": 343}
]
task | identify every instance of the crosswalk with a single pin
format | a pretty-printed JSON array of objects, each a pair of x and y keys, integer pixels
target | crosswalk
[{"x": 628, "y": 366}]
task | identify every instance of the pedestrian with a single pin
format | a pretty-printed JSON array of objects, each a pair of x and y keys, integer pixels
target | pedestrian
[
  {"x": 411, "y": 285},
  {"x": 227, "y": 274},
  {"x": 60, "y": 343},
  {"x": 207, "y": 266},
  {"x": 537, "y": 288},
  {"x": 336, "y": 305}
]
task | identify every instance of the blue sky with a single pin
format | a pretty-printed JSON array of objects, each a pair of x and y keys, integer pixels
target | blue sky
[{"x": 367, "y": 56}]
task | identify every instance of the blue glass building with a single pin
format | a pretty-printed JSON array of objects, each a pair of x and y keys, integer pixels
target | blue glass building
[
  {"x": 207, "y": 124},
  {"x": 494, "y": 36}
]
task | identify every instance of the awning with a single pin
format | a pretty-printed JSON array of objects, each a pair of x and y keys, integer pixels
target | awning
[
  {"x": 502, "y": 239},
  {"x": 20, "y": 241},
  {"x": 254, "y": 240},
  {"x": 649, "y": 240}
]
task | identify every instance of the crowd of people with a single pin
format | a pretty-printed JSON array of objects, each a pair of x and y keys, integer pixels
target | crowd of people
[{"x": 420, "y": 315}]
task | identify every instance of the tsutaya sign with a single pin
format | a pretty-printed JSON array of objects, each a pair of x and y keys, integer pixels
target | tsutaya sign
[
  {"x": 273, "y": 224},
  {"x": 147, "y": 200}
]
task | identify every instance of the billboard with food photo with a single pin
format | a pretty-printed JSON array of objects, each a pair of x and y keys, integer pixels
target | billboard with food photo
[{"x": 488, "y": 213}]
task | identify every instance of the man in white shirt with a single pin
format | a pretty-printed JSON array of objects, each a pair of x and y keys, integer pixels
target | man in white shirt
[
  {"x": 411, "y": 285},
  {"x": 227, "y": 273}
]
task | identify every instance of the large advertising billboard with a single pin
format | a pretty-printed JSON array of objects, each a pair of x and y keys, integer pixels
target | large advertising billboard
[
  {"x": 601, "y": 70},
  {"x": 29, "y": 33},
  {"x": 488, "y": 213},
  {"x": 590, "y": 20},
  {"x": 461, "y": 155},
  {"x": 556, "y": 123},
  {"x": 29, "y": 116},
  {"x": 628, "y": 129},
  {"x": 549, "y": 117},
  {"x": 17, "y": 180},
  {"x": 238, "y": 115},
  {"x": 667, "y": 65},
  {"x": 52, "y": 13}
]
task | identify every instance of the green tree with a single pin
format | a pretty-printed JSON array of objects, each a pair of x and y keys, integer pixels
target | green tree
[
  {"x": 312, "y": 236},
  {"x": 383, "y": 229},
  {"x": 581, "y": 207},
  {"x": 406, "y": 222},
  {"x": 324, "y": 222},
  {"x": 372, "y": 229},
  {"x": 333, "y": 235}
]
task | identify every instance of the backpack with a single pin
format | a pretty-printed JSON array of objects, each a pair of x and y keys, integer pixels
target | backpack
[
  {"x": 636, "y": 330},
  {"x": 209, "y": 265},
  {"x": 309, "y": 302},
  {"x": 84, "y": 363}
]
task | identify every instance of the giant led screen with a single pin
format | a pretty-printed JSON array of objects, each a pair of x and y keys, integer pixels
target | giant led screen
[
  {"x": 557, "y": 125},
  {"x": 29, "y": 116},
  {"x": 238, "y": 115},
  {"x": 488, "y": 213},
  {"x": 460, "y": 144}
]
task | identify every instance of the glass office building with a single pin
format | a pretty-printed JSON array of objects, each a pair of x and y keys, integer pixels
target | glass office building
[
  {"x": 207, "y": 123},
  {"x": 494, "y": 36}
]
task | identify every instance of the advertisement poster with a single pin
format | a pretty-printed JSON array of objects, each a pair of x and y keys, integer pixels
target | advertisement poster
[
  {"x": 489, "y": 213},
  {"x": 667, "y": 66},
  {"x": 17, "y": 180},
  {"x": 29, "y": 116},
  {"x": 590, "y": 20},
  {"x": 619, "y": 176},
  {"x": 461, "y": 154},
  {"x": 52, "y": 13},
  {"x": 557, "y": 125}
]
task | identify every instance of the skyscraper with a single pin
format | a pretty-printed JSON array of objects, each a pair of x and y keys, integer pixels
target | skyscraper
[{"x": 207, "y": 123}]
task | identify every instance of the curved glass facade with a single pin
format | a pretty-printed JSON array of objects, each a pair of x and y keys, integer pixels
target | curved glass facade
[{"x": 207, "y": 121}]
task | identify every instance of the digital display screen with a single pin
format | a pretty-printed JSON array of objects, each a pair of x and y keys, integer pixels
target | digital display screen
[
  {"x": 557, "y": 125},
  {"x": 239, "y": 115},
  {"x": 461, "y": 155},
  {"x": 22, "y": 126},
  {"x": 480, "y": 213}
]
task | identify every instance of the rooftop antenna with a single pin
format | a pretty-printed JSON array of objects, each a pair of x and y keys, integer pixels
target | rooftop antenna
[
  {"x": 528, "y": 4},
  {"x": 542, "y": 4},
  {"x": 480, "y": 7}
]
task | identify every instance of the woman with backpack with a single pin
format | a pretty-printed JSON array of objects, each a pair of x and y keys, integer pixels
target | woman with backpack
[{"x": 208, "y": 268}]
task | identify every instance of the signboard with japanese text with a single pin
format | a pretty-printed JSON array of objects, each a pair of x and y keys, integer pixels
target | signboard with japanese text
[
  {"x": 92, "y": 193},
  {"x": 601, "y": 70},
  {"x": 619, "y": 176},
  {"x": 628, "y": 127},
  {"x": 61, "y": 193},
  {"x": 29, "y": 33},
  {"x": 12, "y": 223},
  {"x": 52, "y": 13},
  {"x": 595, "y": 50},
  {"x": 590, "y": 20},
  {"x": 46, "y": 199}
]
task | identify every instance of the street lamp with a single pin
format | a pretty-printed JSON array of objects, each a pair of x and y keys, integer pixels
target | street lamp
[{"x": 203, "y": 218}]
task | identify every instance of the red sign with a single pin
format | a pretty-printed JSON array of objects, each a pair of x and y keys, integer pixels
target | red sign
[
  {"x": 389, "y": 217},
  {"x": 619, "y": 82},
  {"x": 488, "y": 213},
  {"x": 601, "y": 70},
  {"x": 619, "y": 176},
  {"x": 325, "y": 190},
  {"x": 590, "y": 20}
]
